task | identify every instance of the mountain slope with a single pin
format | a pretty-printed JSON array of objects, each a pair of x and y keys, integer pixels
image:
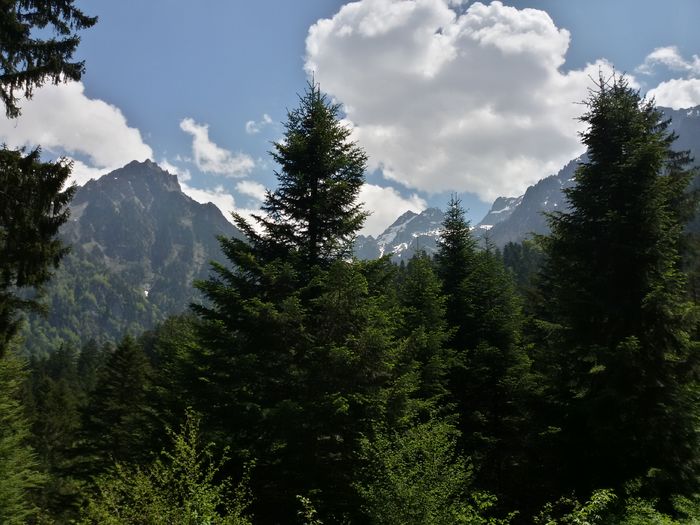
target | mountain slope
[
  {"x": 408, "y": 234},
  {"x": 137, "y": 244},
  {"x": 526, "y": 217}
]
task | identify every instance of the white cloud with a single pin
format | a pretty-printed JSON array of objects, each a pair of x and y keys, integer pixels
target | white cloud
[
  {"x": 62, "y": 119},
  {"x": 211, "y": 158},
  {"x": 183, "y": 174},
  {"x": 386, "y": 204},
  {"x": 447, "y": 102},
  {"x": 82, "y": 173},
  {"x": 252, "y": 189},
  {"x": 671, "y": 58},
  {"x": 252, "y": 127},
  {"x": 221, "y": 198},
  {"x": 677, "y": 93}
]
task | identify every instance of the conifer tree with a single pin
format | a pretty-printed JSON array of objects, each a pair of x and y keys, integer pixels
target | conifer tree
[
  {"x": 314, "y": 209},
  {"x": 295, "y": 339},
  {"x": 115, "y": 417},
  {"x": 33, "y": 206},
  {"x": 19, "y": 468},
  {"x": 490, "y": 381},
  {"x": 622, "y": 368},
  {"x": 28, "y": 57}
]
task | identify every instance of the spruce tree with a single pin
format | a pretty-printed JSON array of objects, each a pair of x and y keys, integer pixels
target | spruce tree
[
  {"x": 621, "y": 366},
  {"x": 19, "y": 467},
  {"x": 33, "y": 206},
  {"x": 116, "y": 415},
  {"x": 490, "y": 382},
  {"x": 314, "y": 209},
  {"x": 295, "y": 338}
]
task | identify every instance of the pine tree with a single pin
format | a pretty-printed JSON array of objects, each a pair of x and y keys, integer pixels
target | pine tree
[
  {"x": 28, "y": 60},
  {"x": 424, "y": 329},
  {"x": 490, "y": 383},
  {"x": 622, "y": 368},
  {"x": 455, "y": 260}
]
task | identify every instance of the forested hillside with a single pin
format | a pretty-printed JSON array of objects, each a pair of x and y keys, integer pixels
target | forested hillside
[{"x": 555, "y": 382}]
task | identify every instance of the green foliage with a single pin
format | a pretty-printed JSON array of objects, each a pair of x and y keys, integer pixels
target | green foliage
[
  {"x": 115, "y": 425},
  {"x": 295, "y": 341},
  {"x": 182, "y": 487},
  {"x": 417, "y": 477},
  {"x": 28, "y": 60},
  {"x": 54, "y": 402},
  {"x": 621, "y": 367},
  {"x": 88, "y": 301},
  {"x": 19, "y": 468},
  {"x": 490, "y": 383},
  {"x": 314, "y": 209},
  {"x": 32, "y": 208}
]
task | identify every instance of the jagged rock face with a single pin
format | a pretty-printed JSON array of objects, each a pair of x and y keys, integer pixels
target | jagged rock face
[
  {"x": 407, "y": 235},
  {"x": 137, "y": 244},
  {"x": 525, "y": 215}
]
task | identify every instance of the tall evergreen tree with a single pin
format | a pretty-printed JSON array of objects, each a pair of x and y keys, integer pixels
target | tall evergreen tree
[
  {"x": 32, "y": 208},
  {"x": 116, "y": 414},
  {"x": 295, "y": 339},
  {"x": 455, "y": 261},
  {"x": 19, "y": 468},
  {"x": 490, "y": 382},
  {"x": 314, "y": 209},
  {"x": 622, "y": 368}
]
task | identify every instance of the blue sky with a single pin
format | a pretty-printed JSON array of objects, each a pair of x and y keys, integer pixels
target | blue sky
[{"x": 445, "y": 95}]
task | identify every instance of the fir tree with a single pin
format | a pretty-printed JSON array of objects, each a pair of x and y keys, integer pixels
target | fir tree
[
  {"x": 295, "y": 339},
  {"x": 490, "y": 382},
  {"x": 622, "y": 368},
  {"x": 32, "y": 208},
  {"x": 314, "y": 209},
  {"x": 116, "y": 414}
]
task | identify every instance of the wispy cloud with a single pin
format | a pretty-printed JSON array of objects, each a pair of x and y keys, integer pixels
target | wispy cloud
[
  {"x": 671, "y": 58},
  {"x": 252, "y": 127},
  {"x": 211, "y": 158},
  {"x": 251, "y": 189}
]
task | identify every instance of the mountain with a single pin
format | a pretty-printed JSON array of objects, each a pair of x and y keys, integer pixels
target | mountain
[
  {"x": 408, "y": 234},
  {"x": 137, "y": 244},
  {"x": 522, "y": 216}
]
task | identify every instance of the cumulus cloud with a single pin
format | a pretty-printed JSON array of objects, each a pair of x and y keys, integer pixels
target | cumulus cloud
[
  {"x": 444, "y": 101},
  {"x": 252, "y": 189},
  {"x": 252, "y": 127},
  {"x": 677, "y": 93},
  {"x": 386, "y": 204},
  {"x": 671, "y": 58},
  {"x": 62, "y": 119},
  {"x": 211, "y": 158}
]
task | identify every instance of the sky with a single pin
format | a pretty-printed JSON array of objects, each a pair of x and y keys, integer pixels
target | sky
[{"x": 477, "y": 99}]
